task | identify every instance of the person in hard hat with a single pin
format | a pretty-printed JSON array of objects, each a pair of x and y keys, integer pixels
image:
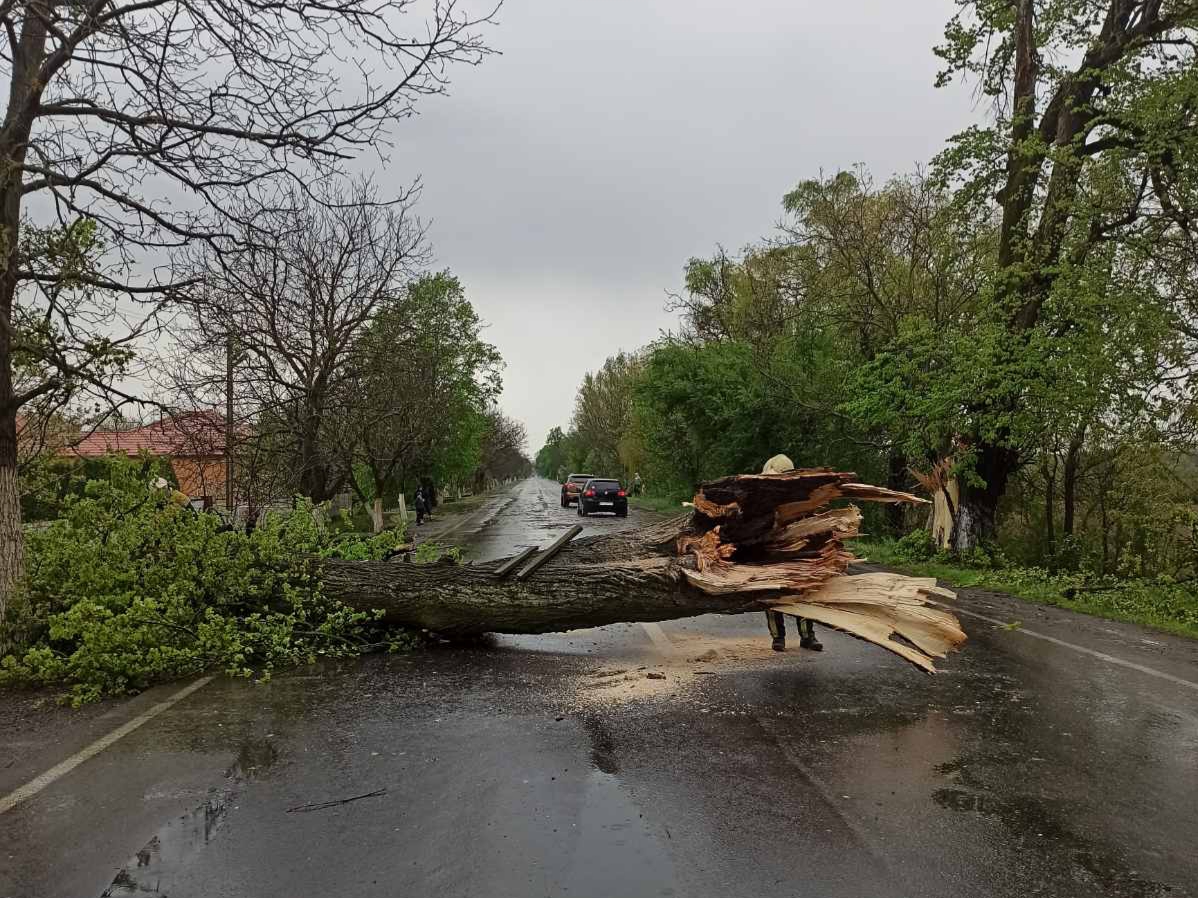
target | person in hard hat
[
  {"x": 777, "y": 624},
  {"x": 781, "y": 464}
]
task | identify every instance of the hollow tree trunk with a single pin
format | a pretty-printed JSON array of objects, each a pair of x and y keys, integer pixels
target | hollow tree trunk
[{"x": 752, "y": 542}]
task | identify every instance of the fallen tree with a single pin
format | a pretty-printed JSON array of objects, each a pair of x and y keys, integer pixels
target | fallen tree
[{"x": 752, "y": 542}]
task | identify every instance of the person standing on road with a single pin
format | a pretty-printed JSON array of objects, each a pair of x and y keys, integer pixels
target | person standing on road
[
  {"x": 777, "y": 625},
  {"x": 421, "y": 505},
  {"x": 638, "y": 485}
]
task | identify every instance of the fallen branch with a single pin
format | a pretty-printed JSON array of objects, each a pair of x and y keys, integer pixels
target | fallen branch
[{"x": 299, "y": 809}]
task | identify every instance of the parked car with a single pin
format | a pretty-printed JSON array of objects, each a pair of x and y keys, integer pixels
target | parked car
[
  {"x": 603, "y": 495},
  {"x": 572, "y": 487}
]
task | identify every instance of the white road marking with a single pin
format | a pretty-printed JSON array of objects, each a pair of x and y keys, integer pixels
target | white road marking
[
  {"x": 659, "y": 638},
  {"x": 35, "y": 785},
  {"x": 1101, "y": 656}
]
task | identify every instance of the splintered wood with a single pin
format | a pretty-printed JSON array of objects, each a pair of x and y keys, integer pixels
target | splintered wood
[{"x": 772, "y": 534}]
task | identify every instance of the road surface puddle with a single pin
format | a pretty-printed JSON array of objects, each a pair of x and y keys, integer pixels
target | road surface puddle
[
  {"x": 152, "y": 870},
  {"x": 615, "y": 853}
]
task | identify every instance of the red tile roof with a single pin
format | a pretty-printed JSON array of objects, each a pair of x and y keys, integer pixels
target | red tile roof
[{"x": 192, "y": 435}]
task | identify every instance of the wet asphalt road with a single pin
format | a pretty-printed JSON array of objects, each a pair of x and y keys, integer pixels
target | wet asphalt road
[{"x": 1057, "y": 759}]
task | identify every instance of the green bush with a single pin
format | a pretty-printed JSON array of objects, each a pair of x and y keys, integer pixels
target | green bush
[
  {"x": 129, "y": 588},
  {"x": 915, "y": 546}
]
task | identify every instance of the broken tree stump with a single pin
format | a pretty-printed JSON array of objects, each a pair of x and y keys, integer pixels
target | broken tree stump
[{"x": 753, "y": 542}]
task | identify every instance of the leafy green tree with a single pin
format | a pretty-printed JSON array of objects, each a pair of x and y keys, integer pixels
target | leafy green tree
[
  {"x": 603, "y": 414},
  {"x": 551, "y": 458},
  {"x": 129, "y": 587},
  {"x": 1090, "y": 160},
  {"x": 419, "y": 378}
]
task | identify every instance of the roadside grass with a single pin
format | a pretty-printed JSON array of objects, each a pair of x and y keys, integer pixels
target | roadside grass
[
  {"x": 663, "y": 505},
  {"x": 1158, "y": 603},
  {"x": 358, "y": 520}
]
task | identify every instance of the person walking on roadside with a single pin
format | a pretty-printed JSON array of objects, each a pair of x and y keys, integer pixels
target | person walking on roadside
[
  {"x": 421, "y": 505},
  {"x": 777, "y": 625}
]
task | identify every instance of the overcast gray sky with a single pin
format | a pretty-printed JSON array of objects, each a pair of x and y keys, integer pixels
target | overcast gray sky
[{"x": 570, "y": 179}]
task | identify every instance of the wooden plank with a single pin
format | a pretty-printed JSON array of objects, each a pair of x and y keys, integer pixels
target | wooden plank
[
  {"x": 552, "y": 549},
  {"x": 506, "y": 568}
]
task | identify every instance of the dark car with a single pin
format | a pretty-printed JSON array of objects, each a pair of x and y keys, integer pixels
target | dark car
[
  {"x": 572, "y": 487},
  {"x": 603, "y": 495}
]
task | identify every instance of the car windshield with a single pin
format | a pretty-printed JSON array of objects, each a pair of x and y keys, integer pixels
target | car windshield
[
  {"x": 605, "y": 484},
  {"x": 579, "y": 478}
]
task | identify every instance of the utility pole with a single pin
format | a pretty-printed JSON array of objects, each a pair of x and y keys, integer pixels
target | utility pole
[{"x": 230, "y": 497}]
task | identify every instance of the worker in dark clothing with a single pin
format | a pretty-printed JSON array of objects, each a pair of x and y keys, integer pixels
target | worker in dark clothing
[
  {"x": 421, "y": 505},
  {"x": 807, "y": 640}
]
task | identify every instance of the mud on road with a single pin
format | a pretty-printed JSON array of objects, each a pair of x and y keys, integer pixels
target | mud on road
[{"x": 686, "y": 759}]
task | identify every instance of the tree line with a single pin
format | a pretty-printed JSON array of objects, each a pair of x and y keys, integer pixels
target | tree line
[
  {"x": 175, "y": 182},
  {"x": 1019, "y": 314}
]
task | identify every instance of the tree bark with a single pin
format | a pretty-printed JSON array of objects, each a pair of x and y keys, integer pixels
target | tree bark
[
  {"x": 753, "y": 542},
  {"x": 25, "y": 92},
  {"x": 376, "y": 514},
  {"x": 1069, "y": 478},
  {"x": 1050, "y": 502},
  {"x": 977, "y": 511},
  {"x": 896, "y": 479}
]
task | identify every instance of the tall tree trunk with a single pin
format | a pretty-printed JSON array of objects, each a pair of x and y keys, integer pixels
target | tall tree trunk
[
  {"x": 1069, "y": 480},
  {"x": 896, "y": 479},
  {"x": 12, "y": 539},
  {"x": 376, "y": 514},
  {"x": 25, "y": 91},
  {"x": 1050, "y": 502},
  {"x": 976, "y": 520}
]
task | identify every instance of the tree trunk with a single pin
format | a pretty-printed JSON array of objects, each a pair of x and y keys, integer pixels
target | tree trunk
[
  {"x": 376, "y": 514},
  {"x": 896, "y": 479},
  {"x": 1069, "y": 478},
  {"x": 977, "y": 511},
  {"x": 24, "y": 95},
  {"x": 12, "y": 539},
  {"x": 1050, "y": 501},
  {"x": 753, "y": 542}
]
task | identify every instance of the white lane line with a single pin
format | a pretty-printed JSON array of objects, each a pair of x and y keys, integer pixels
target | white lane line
[
  {"x": 659, "y": 638},
  {"x": 35, "y": 785},
  {"x": 1101, "y": 656}
]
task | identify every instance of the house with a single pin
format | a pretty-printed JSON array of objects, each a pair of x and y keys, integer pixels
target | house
[{"x": 194, "y": 442}]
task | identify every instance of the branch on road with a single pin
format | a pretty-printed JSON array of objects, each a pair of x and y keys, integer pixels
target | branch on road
[{"x": 753, "y": 542}]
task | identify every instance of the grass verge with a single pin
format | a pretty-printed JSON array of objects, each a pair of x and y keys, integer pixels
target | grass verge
[
  {"x": 663, "y": 505},
  {"x": 1160, "y": 603}
]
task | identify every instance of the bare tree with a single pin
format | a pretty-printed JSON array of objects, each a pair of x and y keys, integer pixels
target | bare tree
[
  {"x": 142, "y": 117},
  {"x": 293, "y": 308},
  {"x": 504, "y": 450}
]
